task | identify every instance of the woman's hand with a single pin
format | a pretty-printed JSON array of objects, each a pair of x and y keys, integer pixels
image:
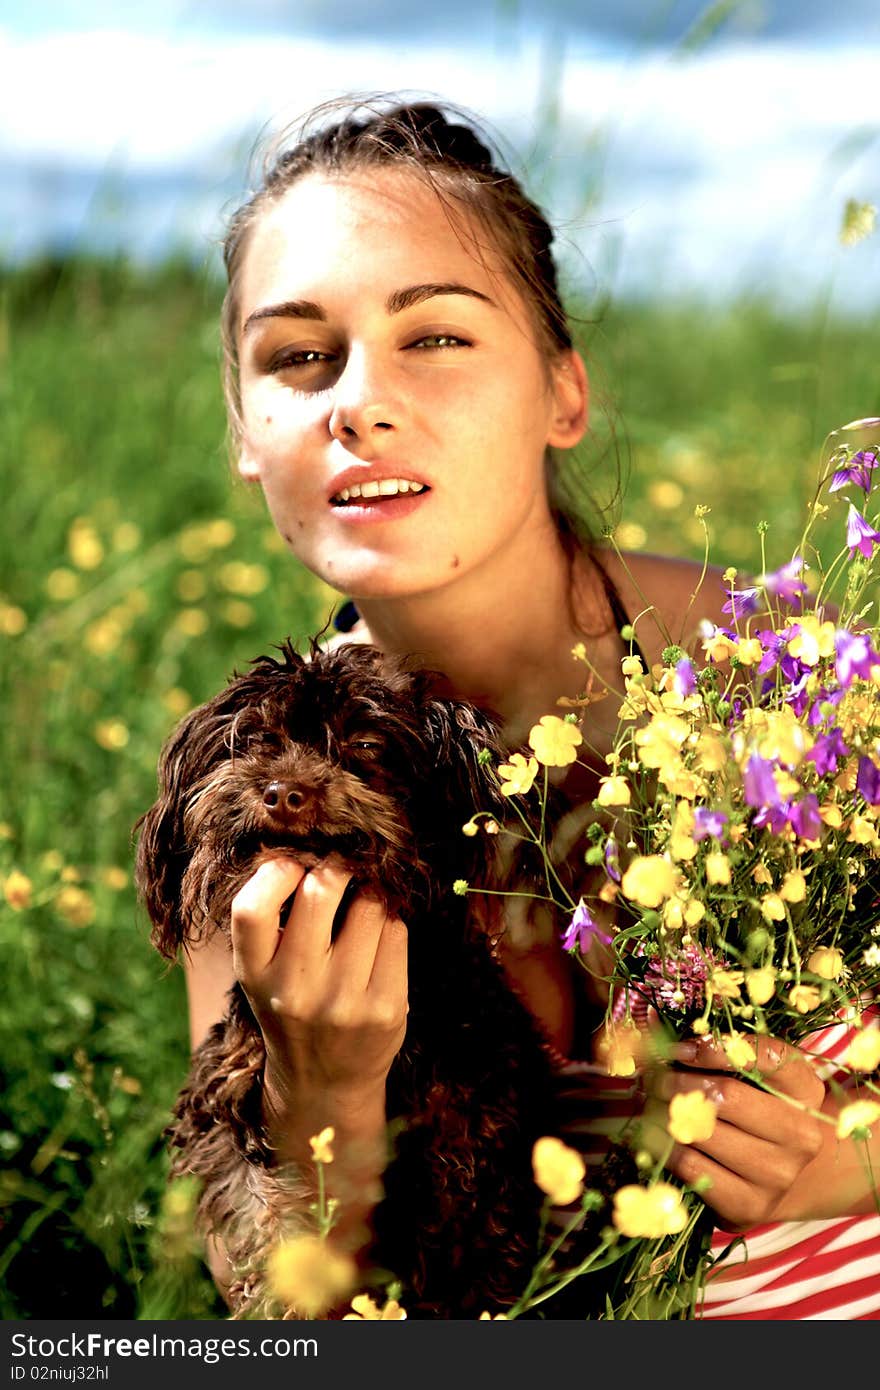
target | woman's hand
[
  {"x": 762, "y": 1142},
  {"x": 332, "y": 1011}
]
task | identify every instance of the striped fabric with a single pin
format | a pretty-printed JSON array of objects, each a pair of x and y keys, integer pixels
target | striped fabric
[{"x": 804, "y": 1270}]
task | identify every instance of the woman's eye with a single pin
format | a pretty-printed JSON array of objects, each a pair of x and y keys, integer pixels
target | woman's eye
[
  {"x": 440, "y": 340},
  {"x": 300, "y": 357}
]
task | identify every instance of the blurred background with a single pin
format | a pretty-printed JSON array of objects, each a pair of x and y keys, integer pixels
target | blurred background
[{"x": 712, "y": 170}]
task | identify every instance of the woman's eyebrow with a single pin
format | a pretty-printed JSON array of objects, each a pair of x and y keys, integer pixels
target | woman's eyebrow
[{"x": 396, "y": 302}]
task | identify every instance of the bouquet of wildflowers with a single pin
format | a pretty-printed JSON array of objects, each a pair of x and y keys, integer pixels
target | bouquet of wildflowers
[{"x": 735, "y": 842}]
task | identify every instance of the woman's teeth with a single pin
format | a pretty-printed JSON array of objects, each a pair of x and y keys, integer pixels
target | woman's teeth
[{"x": 387, "y": 487}]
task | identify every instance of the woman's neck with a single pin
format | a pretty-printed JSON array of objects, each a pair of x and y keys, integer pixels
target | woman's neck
[{"x": 504, "y": 640}]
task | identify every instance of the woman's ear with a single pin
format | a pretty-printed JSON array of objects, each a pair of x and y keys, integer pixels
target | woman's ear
[{"x": 571, "y": 397}]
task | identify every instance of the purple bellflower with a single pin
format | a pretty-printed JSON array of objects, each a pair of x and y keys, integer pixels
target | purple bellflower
[{"x": 860, "y": 535}]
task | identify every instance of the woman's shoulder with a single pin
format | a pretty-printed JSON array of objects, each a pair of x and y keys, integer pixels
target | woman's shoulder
[{"x": 665, "y": 597}]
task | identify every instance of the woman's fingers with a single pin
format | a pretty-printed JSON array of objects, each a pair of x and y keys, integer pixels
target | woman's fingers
[
  {"x": 256, "y": 914},
  {"x": 762, "y": 1139},
  {"x": 307, "y": 960}
]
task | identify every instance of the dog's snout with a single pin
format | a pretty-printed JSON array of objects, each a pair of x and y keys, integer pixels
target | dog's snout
[{"x": 283, "y": 798}]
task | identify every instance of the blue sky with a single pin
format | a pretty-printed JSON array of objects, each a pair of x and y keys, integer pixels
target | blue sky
[{"x": 669, "y": 163}]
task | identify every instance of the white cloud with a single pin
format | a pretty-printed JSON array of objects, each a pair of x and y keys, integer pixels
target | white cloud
[{"x": 728, "y": 154}]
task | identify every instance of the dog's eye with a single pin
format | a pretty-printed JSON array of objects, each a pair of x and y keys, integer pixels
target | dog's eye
[{"x": 365, "y": 745}]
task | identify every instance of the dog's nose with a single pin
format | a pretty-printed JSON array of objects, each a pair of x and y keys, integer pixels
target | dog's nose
[{"x": 283, "y": 799}]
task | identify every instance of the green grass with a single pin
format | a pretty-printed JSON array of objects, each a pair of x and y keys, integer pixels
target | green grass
[{"x": 135, "y": 575}]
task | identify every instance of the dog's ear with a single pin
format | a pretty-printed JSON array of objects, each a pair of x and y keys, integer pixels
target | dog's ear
[
  {"x": 199, "y": 741},
  {"x": 467, "y": 741}
]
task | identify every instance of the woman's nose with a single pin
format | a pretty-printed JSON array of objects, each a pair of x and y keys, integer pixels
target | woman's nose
[{"x": 364, "y": 404}]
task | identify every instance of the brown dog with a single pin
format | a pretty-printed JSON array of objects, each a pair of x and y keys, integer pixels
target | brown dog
[{"x": 355, "y": 754}]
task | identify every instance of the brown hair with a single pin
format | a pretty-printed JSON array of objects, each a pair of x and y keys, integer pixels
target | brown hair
[{"x": 445, "y": 146}]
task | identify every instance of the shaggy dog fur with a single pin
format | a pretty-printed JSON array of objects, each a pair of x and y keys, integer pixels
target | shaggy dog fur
[{"x": 356, "y": 754}]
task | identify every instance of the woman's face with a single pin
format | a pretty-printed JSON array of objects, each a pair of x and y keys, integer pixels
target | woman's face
[{"x": 378, "y": 352}]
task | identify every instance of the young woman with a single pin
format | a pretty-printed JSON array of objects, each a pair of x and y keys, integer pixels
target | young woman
[{"x": 403, "y": 386}]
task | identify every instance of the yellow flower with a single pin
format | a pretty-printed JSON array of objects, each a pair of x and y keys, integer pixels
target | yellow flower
[
  {"x": 322, "y": 1145},
  {"x": 559, "y": 1171},
  {"x": 237, "y": 613},
  {"x": 761, "y": 984},
  {"x": 17, "y": 889},
  {"x": 860, "y": 1114},
  {"x": 863, "y": 832},
  {"x": 13, "y": 620},
  {"x": 863, "y": 1053},
  {"x": 812, "y": 641},
  {"x": 517, "y": 776},
  {"x": 191, "y": 586},
  {"x": 649, "y": 1212},
  {"x": 782, "y": 738},
  {"x": 724, "y": 984},
  {"x": 739, "y": 1051},
  {"x": 177, "y": 701},
  {"x": 614, "y": 791},
  {"x": 692, "y": 1117},
  {"x": 111, "y": 734},
  {"x": 794, "y": 887},
  {"x": 632, "y": 666},
  {"x": 682, "y": 845},
  {"x": 649, "y": 880},
  {"x": 660, "y": 742},
  {"x": 761, "y": 874},
  {"x": 367, "y": 1310},
  {"x": 772, "y": 908},
  {"x": 237, "y": 577},
  {"x": 75, "y": 905},
  {"x": 114, "y": 877},
  {"x": 804, "y": 998},
  {"x": 717, "y": 647},
  {"x": 826, "y": 961},
  {"x": 309, "y": 1275},
  {"x": 554, "y": 741},
  {"x": 717, "y": 867},
  {"x": 749, "y": 651},
  {"x": 62, "y": 584},
  {"x": 710, "y": 754},
  {"x": 191, "y": 622},
  {"x": 83, "y": 545},
  {"x": 831, "y": 814},
  {"x": 620, "y": 1047}
]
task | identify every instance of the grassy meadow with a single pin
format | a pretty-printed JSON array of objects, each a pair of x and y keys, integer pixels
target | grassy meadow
[{"x": 135, "y": 575}]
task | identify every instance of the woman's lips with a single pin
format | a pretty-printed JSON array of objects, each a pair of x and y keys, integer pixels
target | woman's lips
[{"x": 366, "y": 509}]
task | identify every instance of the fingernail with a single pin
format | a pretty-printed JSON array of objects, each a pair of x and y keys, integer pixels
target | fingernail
[{"x": 685, "y": 1051}]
